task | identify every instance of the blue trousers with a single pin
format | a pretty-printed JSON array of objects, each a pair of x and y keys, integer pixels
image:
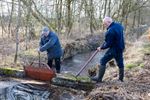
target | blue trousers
[{"x": 110, "y": 54}]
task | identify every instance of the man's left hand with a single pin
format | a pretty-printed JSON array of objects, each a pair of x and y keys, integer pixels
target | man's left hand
[{"x": 99, "y": 49}]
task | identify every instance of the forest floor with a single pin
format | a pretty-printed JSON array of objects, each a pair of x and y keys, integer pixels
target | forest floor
[{"x": 136, "y": 85}]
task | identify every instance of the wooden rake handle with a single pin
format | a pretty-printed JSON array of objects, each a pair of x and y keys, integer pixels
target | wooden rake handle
[
  {"x": 39, "y": 59},
  {"x": 87, "y": 62}
]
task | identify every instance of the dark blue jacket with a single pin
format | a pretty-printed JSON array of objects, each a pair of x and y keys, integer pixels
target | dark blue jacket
[
  {"x": 114, "y": 37},
  {"x": 52, "y": 45}
]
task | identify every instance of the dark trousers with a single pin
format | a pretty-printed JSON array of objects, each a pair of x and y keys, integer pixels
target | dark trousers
[
  {"x": 110, "y": 54},
  {"x": 118, "y": 56},
  {"x": 57, "y": 64}
]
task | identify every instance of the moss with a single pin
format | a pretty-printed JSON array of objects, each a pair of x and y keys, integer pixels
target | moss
[
  {"x": 141, "y": 65},
  {"x": 74, "y": 78},
  {"x": 76, "y": 84},
  {"x": 8, "y": 71},
  {"x": 69, "y": 76},
  {"x": 84, "y": 79},
  {"x": 131, "y": 65}
]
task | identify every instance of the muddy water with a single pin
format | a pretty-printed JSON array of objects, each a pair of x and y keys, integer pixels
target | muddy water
[
  {"x": 74, "y": 64},
  {"x": 25, "y": 92},
  {"x": 33, "y": 91},
  {"x": 30, "y": 92}
]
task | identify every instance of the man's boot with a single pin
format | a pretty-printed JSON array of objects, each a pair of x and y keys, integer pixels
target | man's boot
[
  {"x": 57, "y": 71},
  {"x": 100, "y": 74},
  {"x": 121, "y": 74}
]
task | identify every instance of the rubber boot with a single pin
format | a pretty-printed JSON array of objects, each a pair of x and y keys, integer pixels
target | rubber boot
[
  {"x": 100, "y": 74},
  {"x": 57, "y": 71},
  {"x": 121, "y": 74}
]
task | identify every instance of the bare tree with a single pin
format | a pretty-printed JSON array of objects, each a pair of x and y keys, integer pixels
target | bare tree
[
  {"x": 59, "y": 15},
  {"x": 28, "y": 28},
  {"x": 105, "y": 7},
  {"x": 69, "y": 16},
  {"x": 10, "y": 19},
  {"x": 109, "y": 8},
  {"x": 42, "y": 19},
  {"x": 17, "y": 30},
  {"x": 134, "y": 18},
  {"x": 139, "y": 17}
]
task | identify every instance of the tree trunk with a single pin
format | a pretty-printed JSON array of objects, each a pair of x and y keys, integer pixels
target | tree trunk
[
  {"x": 109, "y": 9},
  {"x": 139, "y": 17},
  {"x": 17, "y": 31},
  {"x": 91, "y": 16},
  {"x": 105, "y": 8},
  {"x": 127, "y": 14},
  {"x": 69, "y": 15},
  {"x": 28, "y": 24},
  {"x": 2, "y": 27},
  {"x": 10, "y": 20},
  {"x": 59, "y": 15},
  {"x": 2, "y": 22},
  {"x": 79, "y": 19},
  {"x": 134, "y": 18}
]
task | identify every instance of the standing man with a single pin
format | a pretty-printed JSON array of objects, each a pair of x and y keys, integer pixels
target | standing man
[
  {"x": 114, "y": 42},
  {"x": 49, "y": 42}
]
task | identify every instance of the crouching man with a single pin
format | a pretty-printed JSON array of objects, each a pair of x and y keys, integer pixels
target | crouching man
[{"x": 50, "y": 42}]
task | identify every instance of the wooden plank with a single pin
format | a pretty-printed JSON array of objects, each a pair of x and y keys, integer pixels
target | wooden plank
[{"x": 79, "y": 83}]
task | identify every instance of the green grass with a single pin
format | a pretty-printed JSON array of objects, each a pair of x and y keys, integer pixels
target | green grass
[
  {"x": 141, "y": 65},
  {"x": 131, "y": 65}
]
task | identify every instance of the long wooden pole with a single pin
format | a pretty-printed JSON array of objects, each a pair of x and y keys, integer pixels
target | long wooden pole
[{"x": 86, "y": 63}]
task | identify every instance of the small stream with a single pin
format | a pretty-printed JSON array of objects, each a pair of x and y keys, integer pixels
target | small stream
[
  {"x": 30, "y": 92},
  {"x": 74, "y": 64}
]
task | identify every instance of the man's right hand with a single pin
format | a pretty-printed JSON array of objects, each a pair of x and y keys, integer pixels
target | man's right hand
[
  {"x": 38, "y": 50},
  {"x": 99, "y": 49}
]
